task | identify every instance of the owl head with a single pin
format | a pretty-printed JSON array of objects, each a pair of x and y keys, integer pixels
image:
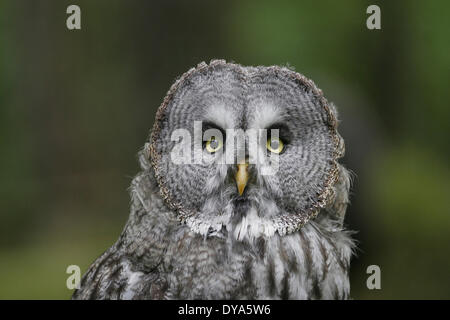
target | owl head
[{"x": 250, "y": 151}]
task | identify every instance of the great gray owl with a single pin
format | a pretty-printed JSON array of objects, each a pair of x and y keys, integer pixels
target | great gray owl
[{"x": 215, "y": 229}]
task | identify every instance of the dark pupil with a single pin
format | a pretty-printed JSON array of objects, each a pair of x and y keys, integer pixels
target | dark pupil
[
  {"x": 274, "y": 144},
  {"x": 214, "y": 143}
]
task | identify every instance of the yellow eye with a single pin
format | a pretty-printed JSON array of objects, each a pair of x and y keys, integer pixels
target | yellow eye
[
  {"x": 213, "y": 145},
  {"x": 275, "y": 145}
]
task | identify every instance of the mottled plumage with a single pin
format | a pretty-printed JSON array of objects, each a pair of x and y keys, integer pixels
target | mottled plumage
[{"x": 192, "y": 235}]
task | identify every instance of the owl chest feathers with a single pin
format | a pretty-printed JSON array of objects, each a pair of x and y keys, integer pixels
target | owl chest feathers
[
  {"x": 311, "y": 263},
  {"x": 302, "y": 265}
]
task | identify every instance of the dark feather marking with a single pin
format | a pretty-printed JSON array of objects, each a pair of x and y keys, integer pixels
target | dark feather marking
[
  {"x": 271, "y": 278},
  {"x": 95, "y": 293},
  {"x": 289, "y": 258},
  {"x": 103, "y": 261},
  {"x": 241, "y": 207},
  {"x": 261, "y": 247},
  {"x": 316, "y": 291},
  {"x": 249, "y": 283},
  {"x": 158, "y": 289},
  {"x": 307, "y": 252},
  {"x": 114, "y": 280},
  {"x": 325, "y": 265},
  {"x": 284, "y": 294},
  {"x": 121, "y": 288}
]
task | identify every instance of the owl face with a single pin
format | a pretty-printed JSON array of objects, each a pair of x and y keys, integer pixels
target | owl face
[{"x": 260, "y": 148}]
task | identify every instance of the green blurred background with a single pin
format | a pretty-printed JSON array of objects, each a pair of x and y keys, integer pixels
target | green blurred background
[{"x": 76, "y": 106}]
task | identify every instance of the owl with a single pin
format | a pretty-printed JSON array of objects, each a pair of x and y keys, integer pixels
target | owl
[{"x": 240, "y": 195}]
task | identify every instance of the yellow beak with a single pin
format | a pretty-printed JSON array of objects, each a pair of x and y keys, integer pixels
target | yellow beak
[{"x": 241, "y": 177}]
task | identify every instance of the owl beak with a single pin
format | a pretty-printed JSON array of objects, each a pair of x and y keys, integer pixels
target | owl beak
[{"x": 241, "y": 177}]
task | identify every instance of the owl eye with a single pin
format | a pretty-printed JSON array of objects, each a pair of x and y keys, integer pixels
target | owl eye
[
  {"x": 275, "y": 145},
  {"x": 213, "y": 144}
]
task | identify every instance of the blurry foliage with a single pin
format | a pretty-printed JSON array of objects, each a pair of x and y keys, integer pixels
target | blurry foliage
[
  {"x": 76, "y": 106},
  {"x": 414, "y": 193}
]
